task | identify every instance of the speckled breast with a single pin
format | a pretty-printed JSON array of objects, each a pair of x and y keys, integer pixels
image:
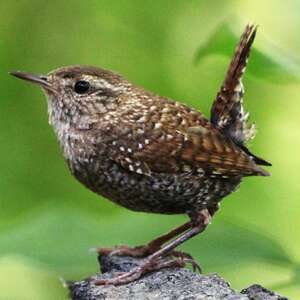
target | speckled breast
[{"x": 158, "y": 193}]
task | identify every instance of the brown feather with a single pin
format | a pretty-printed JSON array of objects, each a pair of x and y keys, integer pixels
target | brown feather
[
  {"x": 192, "y": 149},
  {"x": 227, "y": 112}
]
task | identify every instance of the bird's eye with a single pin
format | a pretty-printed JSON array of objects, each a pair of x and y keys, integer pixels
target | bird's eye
[{"x": 81, "y": 86}]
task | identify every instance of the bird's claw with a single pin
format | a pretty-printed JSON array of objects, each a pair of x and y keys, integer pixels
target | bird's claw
[
  {"x": 147, "y": 267},
  {"x": 143, "y": 251},
  {"x": 188, "y": 259}
]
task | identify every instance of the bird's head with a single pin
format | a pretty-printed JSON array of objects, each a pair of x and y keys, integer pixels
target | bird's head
[{"x": 79, "y": 94}]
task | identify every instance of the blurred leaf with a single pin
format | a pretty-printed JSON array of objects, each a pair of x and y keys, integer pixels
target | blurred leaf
[
  {"x": 27, "y": 281},
  {"x": 59, "y": 236},
  {"x": 239, "y": 238},
  {"x": 271, "y": 64}
]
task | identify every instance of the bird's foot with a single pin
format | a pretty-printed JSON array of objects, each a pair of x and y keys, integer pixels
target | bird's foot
[
  {"x": 187, "y": 259},
  {"x": 146, "y": 267},
  {"x": 146, "y": 250}
]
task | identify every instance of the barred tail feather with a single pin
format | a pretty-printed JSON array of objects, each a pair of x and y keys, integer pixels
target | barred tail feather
[{"x": 227, "y": 111}]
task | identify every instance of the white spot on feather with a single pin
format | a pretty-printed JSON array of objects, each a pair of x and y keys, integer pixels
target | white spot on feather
[{"x": 139, "y": 171}]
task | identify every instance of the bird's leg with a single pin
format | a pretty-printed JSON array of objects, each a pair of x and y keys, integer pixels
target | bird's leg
[
  {"x": 187, "y": 258},
  {"x": 156, "y": 261},
  {"x": 150, "y": 248}
]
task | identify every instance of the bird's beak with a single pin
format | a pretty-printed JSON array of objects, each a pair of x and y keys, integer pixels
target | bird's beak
[{"x": 37, "y": 79}]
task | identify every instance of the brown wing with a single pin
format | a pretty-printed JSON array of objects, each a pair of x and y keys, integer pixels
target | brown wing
[
  {"x": 198, "y": 149},
  {"x": 227, "y": 111}
]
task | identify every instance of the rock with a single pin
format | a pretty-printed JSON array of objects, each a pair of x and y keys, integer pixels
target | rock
[
  {"x": 258, "y": 292},
  {"x": 167, "y": 284}
]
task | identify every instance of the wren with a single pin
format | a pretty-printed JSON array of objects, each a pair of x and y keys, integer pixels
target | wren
[{"x": 150, "y": 153}]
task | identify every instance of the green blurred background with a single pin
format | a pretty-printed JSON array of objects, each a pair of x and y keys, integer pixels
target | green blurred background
[{"x": 179, "y": 49}]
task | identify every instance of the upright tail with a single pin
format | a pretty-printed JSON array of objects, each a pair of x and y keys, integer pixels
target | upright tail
[{"x": 227, "y": 112}]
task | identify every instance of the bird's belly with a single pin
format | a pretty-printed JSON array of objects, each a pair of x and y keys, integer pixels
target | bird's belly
[{"x": 159, "y": 193}]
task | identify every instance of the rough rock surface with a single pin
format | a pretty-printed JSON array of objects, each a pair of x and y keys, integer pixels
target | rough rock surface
[{"x": 167, "y": 284}]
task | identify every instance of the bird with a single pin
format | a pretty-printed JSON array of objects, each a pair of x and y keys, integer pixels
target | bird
[{"x": 152, "y": 154}]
